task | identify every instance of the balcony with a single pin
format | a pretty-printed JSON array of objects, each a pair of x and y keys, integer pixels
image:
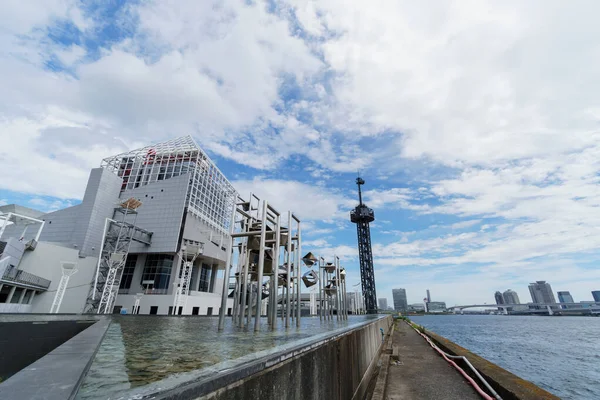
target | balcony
[{"x": 19, "y": 277}]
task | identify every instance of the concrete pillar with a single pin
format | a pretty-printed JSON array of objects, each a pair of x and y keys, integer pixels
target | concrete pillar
[
  {"x": 10, "y": 294},
  {"x": 213, "y": 277},
  {"x": 32, "y": 296},
  {"x": 1, "y": 286},
  {"x": 22, "y": 296}
]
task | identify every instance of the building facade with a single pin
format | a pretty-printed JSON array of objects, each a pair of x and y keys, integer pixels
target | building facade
[
  {"x": 565, "y": 297},
  {"x": 541, "y": 292},
  {"x": 498, "y": 297},
  {"x": 596, "y": 295},
  {"x": 400, "y": 303},
  {"x": 151, "y": 229},
  {"x": 436, "y": 306},
  {"x": 383, "y": 306},
  {"x": 511, "y": 297}
]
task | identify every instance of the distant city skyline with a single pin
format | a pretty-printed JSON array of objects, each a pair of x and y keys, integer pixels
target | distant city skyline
[{"x": 581, "y": 296}]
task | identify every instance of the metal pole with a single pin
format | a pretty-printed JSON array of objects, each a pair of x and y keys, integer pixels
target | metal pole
[
  {"x": 5, "y": 224},
  {"x": 289, "y": 271},
  {"x": 99, "y": 258},
  {"x": 337, "y": 288},
  {"x": 320, "y": 292},
  {"x": 261, "y": 266},
  {"x": 298, "y": 277},
  {"x": 276, "y": 249},
  {"x": 244, "y": 287},
  {"x": 250, "y": 302},
  {"x": 226, "y": 275}
]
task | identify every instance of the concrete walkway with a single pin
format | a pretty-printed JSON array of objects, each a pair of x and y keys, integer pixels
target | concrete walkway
[{"x": 421, "y": 372}]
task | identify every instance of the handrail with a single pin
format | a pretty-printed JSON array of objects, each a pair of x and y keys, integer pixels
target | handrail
[
  {"x": 13, "y": 274},
  {"x": 448, "y": 358}
]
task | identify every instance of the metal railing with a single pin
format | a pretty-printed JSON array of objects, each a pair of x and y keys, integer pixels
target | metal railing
[{"x": 12, "y": 274}]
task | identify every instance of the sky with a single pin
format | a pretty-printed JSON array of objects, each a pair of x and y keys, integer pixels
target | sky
[{"x": 475, "y": 124}]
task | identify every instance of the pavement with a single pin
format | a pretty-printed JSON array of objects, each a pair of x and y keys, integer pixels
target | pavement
[{"x": 421, "y": 373}]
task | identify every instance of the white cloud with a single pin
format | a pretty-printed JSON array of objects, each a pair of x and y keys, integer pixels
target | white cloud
[{"x": 307, "y": 201}]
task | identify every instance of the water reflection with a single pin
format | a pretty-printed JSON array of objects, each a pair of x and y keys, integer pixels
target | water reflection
[{"x": 139, "y": 350}]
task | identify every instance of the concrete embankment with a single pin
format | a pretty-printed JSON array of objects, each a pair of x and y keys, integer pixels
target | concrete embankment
[
  {"x": 337, "y": 366},
  {"x": 508, "y": 385},
  {"x": 415, "y": 370}
]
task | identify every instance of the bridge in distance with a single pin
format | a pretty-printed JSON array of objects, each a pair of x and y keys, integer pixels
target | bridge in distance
[{"x": 593, "y": 308}]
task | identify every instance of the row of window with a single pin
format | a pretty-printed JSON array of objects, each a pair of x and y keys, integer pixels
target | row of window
[
  {"x": 154, "y": 310},
  {"x": 157, "y": 269}
]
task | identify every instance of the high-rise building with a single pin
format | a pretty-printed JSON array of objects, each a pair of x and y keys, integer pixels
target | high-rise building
[
  {"x": 153, "y": 221},
  {"x": 383, "y": 304},
  {"x": 511, "y": 297},
  {"x": 596, "y": 295},
  {"x": 541, "y": 292},
  {"x": 428, "y": 296},
  {"x": 499, "y": 298},
  {"x": 565, "y": 297},
  {"x": 400, "y": 303}
]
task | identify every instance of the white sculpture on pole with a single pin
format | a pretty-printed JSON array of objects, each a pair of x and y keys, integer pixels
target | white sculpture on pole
[{"x": 68, "y": 270}]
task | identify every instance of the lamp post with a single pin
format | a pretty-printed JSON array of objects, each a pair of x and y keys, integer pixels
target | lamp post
[{"x": 68, "y": 269}]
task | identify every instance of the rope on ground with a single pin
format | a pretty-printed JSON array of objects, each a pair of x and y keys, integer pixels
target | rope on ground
[{"x": 448, "y": 358}]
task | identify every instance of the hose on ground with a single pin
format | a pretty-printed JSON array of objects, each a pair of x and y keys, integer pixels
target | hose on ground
[{"x": 449, "y": 357}]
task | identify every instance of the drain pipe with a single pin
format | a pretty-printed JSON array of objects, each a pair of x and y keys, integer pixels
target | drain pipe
[{"x": 449, "y": 357}]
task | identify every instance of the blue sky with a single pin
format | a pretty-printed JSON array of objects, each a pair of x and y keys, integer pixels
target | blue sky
[{"x": 474, "y": 124}]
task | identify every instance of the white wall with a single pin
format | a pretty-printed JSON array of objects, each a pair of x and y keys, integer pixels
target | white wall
[
  {"x": 14, "y": 308},
  {"x": 196, "y": 299},
  {"x": 45, "y": 261}
]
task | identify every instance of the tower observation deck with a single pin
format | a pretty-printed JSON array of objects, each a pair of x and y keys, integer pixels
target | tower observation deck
[{"x": 362, "y": 216}]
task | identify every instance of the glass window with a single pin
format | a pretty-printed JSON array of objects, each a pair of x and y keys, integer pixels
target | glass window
[
  {"x": 128, "y": 270},
  {"x": 158, "y": 269},
  {"x": 205, "y": 278}
]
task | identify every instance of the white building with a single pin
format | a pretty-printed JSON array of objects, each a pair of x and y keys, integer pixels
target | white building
[{"x": 169, "y": 251}]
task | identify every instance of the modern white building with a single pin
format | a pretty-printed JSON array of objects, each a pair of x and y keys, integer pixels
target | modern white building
[{"x": 151, "y": 229}]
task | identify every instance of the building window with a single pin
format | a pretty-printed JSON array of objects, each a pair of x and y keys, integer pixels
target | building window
[
  {"x": 153, "y": 310},
  {"x": 209, "y": 311},
  {"x": 158, "y": 269},
  {"x": 204, "y": 278},
  {"x": 128, "y": 269}
]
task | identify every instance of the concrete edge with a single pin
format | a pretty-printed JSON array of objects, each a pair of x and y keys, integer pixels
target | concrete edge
[
  {"x": 508, "y": 385},
  {"x": 59, "y": 374},
  {"x": 206, "y": 385},
  {"x": 381, "y": 383},
  {"x": 363, "y": 386}
]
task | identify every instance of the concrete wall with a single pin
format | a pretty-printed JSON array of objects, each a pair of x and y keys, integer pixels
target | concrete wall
[
  {"x": 329, "y": 367},
  {"x": 161, "y": 213},
  {"x": 81, "y": 227},
  {"x": 196, "y": 299},
  {"x": 59, "y": 227},
  {"x": 44, "y": 261},
  {"x": 99, "y": 201}
]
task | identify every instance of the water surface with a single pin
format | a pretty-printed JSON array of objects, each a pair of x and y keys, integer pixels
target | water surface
[
  {"x": 140, "y": 350},
  {"x": 559, "y": 354}
]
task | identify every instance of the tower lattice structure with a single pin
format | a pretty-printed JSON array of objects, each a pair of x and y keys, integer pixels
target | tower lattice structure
[{"x": 362, "y": 216}]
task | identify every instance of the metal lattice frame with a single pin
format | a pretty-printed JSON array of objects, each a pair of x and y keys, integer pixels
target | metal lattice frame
[
  {"x": 116, "y": 241},
  {"x": 68, "y": 270},
  {"x": 210, "y": 195},
  {"x": 362, "y": 216},
  {"x": 188, "y": 254}
]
